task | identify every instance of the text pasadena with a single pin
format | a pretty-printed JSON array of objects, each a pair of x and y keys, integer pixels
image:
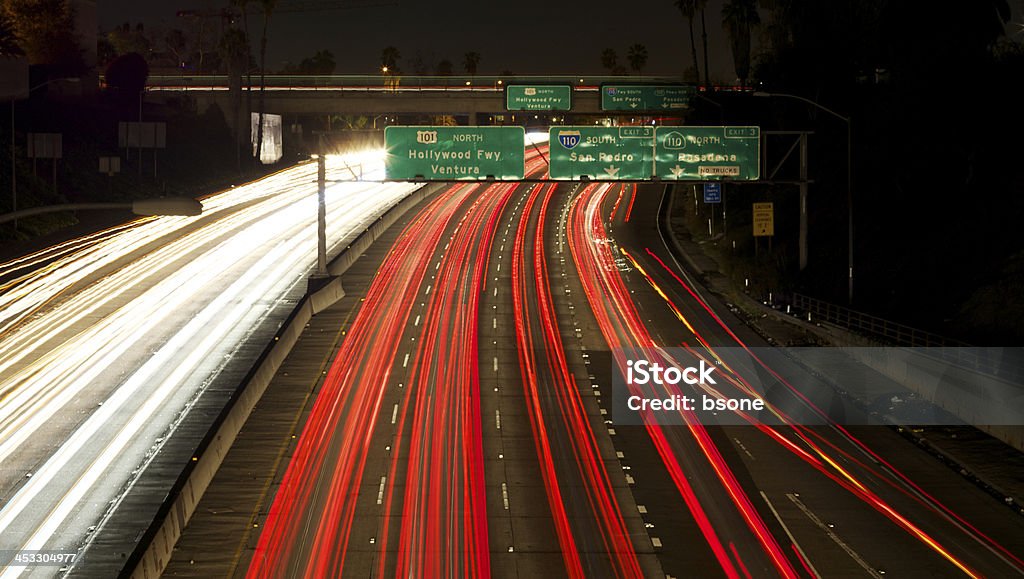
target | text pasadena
[{"x": 644, "y": 372}]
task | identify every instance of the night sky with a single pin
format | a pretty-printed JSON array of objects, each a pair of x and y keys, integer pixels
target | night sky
[{"x": 554, "y": 37}]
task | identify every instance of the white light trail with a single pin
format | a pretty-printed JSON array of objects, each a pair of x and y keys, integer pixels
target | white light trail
[{"x": 105, "y": 339}]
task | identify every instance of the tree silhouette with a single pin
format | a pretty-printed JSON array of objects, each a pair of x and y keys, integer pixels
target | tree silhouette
[
  {"x": 444, "y": 68},
  {"x": 738, "y": 18},
  {"x": 418, "y": 65},
  {"x": 8, "y": 38},
  {"x": 609, "y": 59},
  {"x": 637, "y": 57},
  {"x": 234, "y": 51},
  {"x": 175, "y": 42},
  {"x": 320, "y": 63},
  {"x": 45, "y": 32},
  {"x": 127, "y": 75},
  {"x": 689, "y": 10},
  {"x": 470, "y": 62},
  {"x": 243, "y": 6},
  {"x": 268, "y": 9},
  {"x": 126, "y": 39},
  {"x": 389, "y": 58},
  {"x": 702, "y": 7},
  {"x": 234, "y": 55}
]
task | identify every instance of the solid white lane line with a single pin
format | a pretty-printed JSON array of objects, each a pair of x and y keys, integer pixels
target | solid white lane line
[{"x": 790, "y": 534}]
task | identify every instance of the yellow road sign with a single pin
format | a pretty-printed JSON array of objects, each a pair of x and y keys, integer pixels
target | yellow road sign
[{"x": 764, "y": 220}]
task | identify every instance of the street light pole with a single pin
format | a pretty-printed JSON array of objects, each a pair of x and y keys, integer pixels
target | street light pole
[
  {"x": 14, "y": 171},
  {"x": 849, "y": 179},
  {"x": 849, "y": 210}
]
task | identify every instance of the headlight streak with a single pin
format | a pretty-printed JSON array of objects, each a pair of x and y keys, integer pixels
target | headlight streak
[{"x": 200, "y": 282}]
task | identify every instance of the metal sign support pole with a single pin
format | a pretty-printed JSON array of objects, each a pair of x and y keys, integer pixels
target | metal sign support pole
[
  {"x": 803, "y": 201},
  {"x": 725, "y": 216}
]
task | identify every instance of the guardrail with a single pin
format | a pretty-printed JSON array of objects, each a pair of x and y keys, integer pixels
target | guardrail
[
  {"x": 888, "y": 331},
  {"x": 380, "y": 81},
  {"x": 1003, "y": 363}
]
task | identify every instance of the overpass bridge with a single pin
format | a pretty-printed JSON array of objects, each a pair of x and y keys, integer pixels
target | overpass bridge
[{"x": 461, "y": 96}]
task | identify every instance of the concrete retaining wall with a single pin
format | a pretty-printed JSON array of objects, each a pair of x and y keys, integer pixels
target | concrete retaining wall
[{"x": 154, "y": 549}]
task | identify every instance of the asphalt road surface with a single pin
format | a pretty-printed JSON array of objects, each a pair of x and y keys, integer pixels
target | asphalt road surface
[{"x": 460, "y": 423}]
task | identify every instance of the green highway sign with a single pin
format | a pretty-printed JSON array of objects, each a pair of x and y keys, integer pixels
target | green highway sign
[
  {"x": 522, "y": 97},
  {"x": 601, "y": 152},
  {"x": 708, "y": 153},
  {"x": 449, "y": 153},
  {"x": 650, "y": 97}
]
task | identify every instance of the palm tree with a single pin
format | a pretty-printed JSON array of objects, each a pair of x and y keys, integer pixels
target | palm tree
[
  {"x": 470, "y": 61},
  {"x": 243, "y": 5},
  {"x": 702, "y": 6},
  {"x": 609, "y": 59},
  {"x": 268, "y": 9},
  {"x": 738, "y": 18},
  {"x": 234, "y": 54},
  {"x": 389, "y": 58},
  {"x": 637, "y": 57},
  {"x": 8, "y": 38},
  {"x": 689, "y": 10},
  {"x": 175, "y": 42}
]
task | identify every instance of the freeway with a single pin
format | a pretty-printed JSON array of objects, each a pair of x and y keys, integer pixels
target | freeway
[
  {"x": 108, "y": 340},
  {"x": 463, "y": 426},
  {"x": 820, "y": 500},
  {"x": 453, "y": 483}
]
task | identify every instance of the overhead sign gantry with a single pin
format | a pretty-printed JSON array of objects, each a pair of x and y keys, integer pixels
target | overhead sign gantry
[{"x": 623, "y": 153}]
